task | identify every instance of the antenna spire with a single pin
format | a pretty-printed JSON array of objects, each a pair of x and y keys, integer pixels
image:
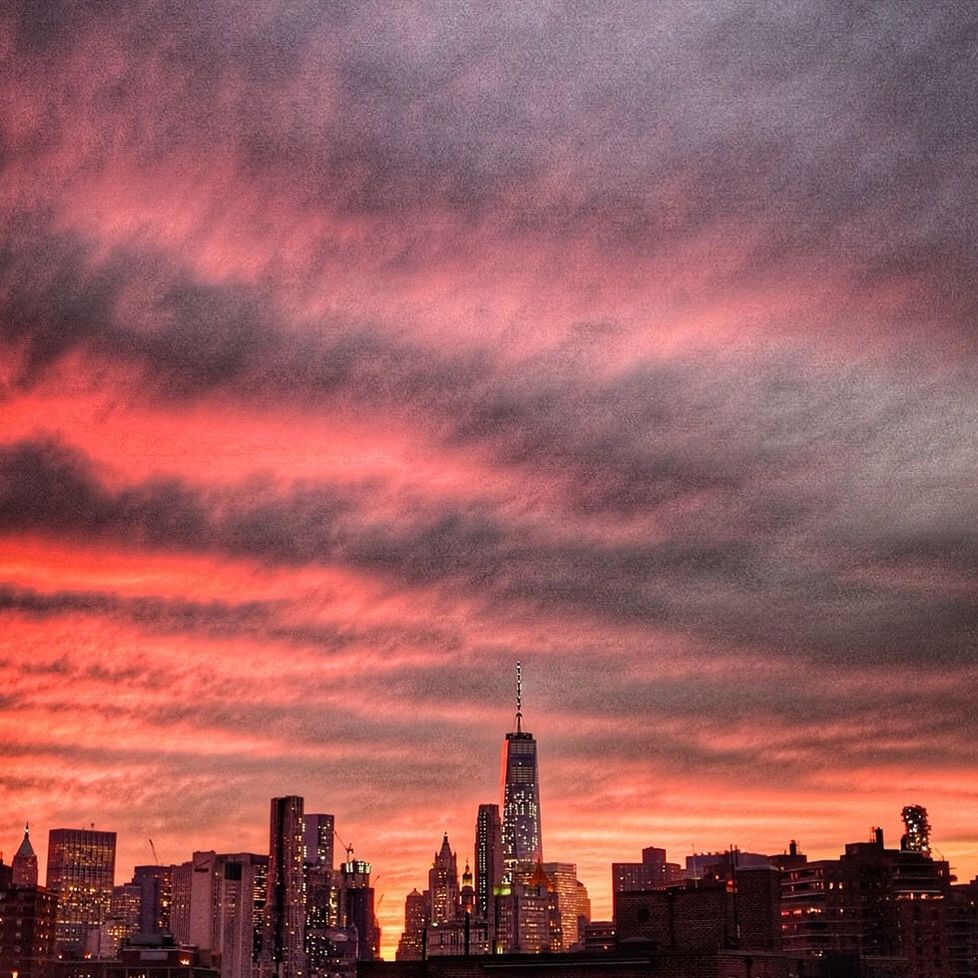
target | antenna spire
[{"x": 519, "y": 697}]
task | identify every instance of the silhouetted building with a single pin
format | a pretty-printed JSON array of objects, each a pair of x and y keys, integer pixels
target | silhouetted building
[
  {"x": 599, "y": 935},
  {"x": 877, "y": 903},
  {"x": 411, "y": 945},
  {"x": 357, "y": 908},
  {"x": 24, "y": 866},
  {"x": 155, "y": 896},
  {"x": 285, "y": 907},
  {"x": 738, "y": 909},
  {"x": 652, "y": 873},
  {"x": 488, "y": 862},
  {"x": 962, "y": 916},
  {"x": 521, "y": 835},
  {"x": 153, "y": 957},
  {"x": 640, "y": 964},
  {"x": 317, "y": 839},
  {"x": 81, "y": 872},
  {"x": 27, "y": 930}
]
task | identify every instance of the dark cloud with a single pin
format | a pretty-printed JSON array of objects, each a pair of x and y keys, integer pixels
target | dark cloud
[{"x": 817, "y": 578}]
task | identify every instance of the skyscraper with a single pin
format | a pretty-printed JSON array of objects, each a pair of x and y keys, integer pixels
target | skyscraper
[
  {"x": 488, "y": 860},
  {"x": 573, "y": 904},
  {"x": 156, "y": 895},
  {"x": 357, "y": 907},
  {"x": 81, "y": 871},
  {"x": 443, "y": 892},
  {"x": 239, "y": 889},
  {"x": 285, "y": 908},
  {"x": 522, "y": 843},
  {"x": 318, "y": 840}
]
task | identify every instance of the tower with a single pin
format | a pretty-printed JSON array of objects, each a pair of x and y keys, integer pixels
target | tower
[
  {"x": 521, "y": 837},
  {"x": 488, "y": 860},
  {"x": 443, "y": 885},
  {"x": 318, "y": 832},
  {"x": 357, "y": 906},
  {"x": 81, "y": 870},
  {"x": 24, "y": 866},
  {"x": 915, "y": 839},
  {"x": 285, "y": 906}
]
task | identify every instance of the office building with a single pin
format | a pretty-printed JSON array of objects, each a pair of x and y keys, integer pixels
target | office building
[
  {"x": 573, "y": 904},
  {"x": 239, "y": 899},
  {"x": 81, "y": 872},
  {"x": 27, "y": 928},
  {"x": 488, "y": 860},
  {"x": 156, "y": 895},
  {"x": 521, "y": 835},
  {"x": 285, "y": 907}
]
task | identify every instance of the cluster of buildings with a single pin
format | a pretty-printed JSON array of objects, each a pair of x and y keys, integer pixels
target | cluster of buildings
[
  {"x": 513, "y": 902},
  {"x": 289, "y": 913},
  {"x": 873, "y": 912}
]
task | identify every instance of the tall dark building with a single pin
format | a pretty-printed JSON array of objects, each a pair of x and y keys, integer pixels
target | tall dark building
[
  {"x": 357, "y": 907},
  {"x": 317, "y": 834},
  {"x": 285, "y": 907},
  {"x": 522, "y": 842},
  {"x": 24, "y": 867},
  {"x": 27, "y": 922},
  {"x": 81, "y": 871},
  {"x": 156, "y": 893},
  {"x": 488, "y": 859}
]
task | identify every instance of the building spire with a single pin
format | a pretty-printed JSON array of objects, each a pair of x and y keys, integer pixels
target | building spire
[{"x": 519, "y": 697}]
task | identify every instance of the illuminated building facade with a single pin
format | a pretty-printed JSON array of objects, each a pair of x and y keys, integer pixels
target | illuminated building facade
[
  {"x": 239, "y": 899},
  {"x": 488, "y": 861},
  {"x": 121, "y": 924},
  {"x": 285, "y": 907},
  {"x": 317, "y": 839},
  {"x": 522, "y": 843},
  {"x": 443, "y": 892},
  {"x": 81, "y": 872},
  {"x": 573, "y": 904},
  {"x": 916, "y": 838}
]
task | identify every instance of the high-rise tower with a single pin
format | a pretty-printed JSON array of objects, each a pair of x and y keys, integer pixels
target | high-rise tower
[
  {"x": 522, "y": 843},
  {"x": 443, "y": 892},
  {"x": 285, "y": 906},
  {"x": 81, "y": 870},
  {"x": 488, "y": 860}
]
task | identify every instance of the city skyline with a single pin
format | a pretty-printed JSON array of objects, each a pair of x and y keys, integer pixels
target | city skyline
[
  {"x": 352, "y": 351},
  {"x": 294, "y": 837}
]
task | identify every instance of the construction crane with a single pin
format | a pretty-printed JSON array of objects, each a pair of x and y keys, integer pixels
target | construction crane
[
  {"x": 349, "y": 849},
  {"x": 156, "y": 859}
]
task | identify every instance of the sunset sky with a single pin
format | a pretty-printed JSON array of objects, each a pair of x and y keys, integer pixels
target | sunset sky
[{"x": 351, "y": 352}]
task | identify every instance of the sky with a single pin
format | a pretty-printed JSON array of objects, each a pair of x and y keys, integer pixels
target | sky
[{"x": 351, "y": 352}]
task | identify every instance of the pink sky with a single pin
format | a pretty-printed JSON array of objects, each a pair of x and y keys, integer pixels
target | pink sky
[{"x": 349, "y": 354}]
